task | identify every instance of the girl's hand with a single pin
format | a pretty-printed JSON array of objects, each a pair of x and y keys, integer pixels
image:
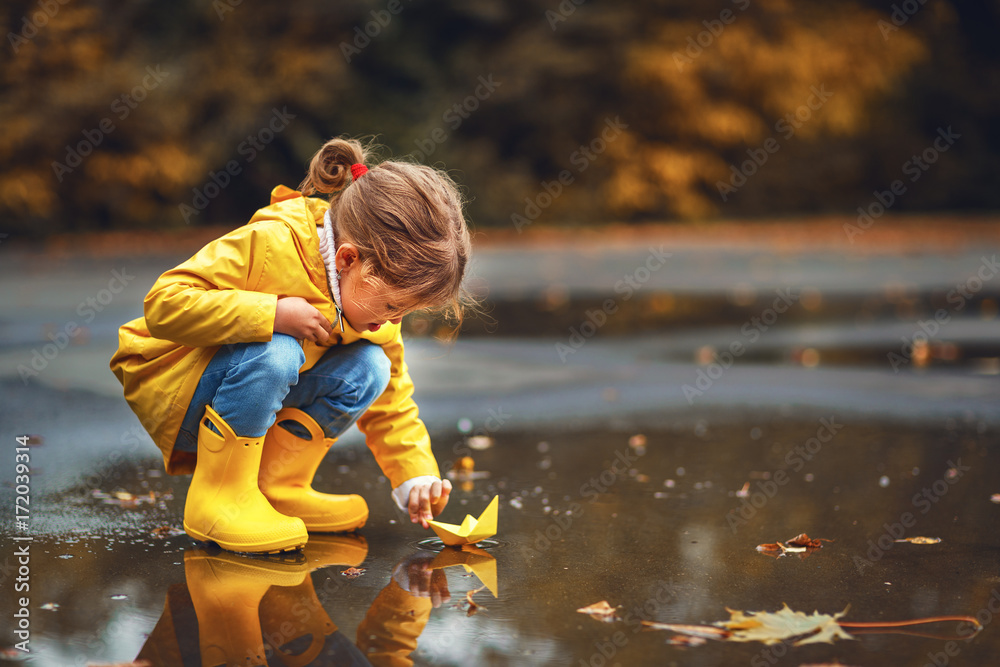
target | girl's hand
[
  {"x": 428, "y": 500},
  {"x": 300, "y": 319}
]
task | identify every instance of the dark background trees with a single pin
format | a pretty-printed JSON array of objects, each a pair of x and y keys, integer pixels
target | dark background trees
[{"x": 224, "y": 101}]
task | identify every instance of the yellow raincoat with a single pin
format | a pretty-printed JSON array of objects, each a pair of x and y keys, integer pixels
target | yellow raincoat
[{"x": 228, "y": 293}]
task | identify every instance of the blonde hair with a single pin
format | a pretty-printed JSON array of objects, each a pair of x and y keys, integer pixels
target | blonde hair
[{"x": 406, "y": 221}]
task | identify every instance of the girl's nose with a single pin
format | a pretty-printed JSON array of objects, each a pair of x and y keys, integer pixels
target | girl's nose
[{"x": 396, "y": 320}]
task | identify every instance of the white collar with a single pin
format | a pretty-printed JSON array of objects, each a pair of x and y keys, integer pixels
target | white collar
[{"x": 328, "y": 249}]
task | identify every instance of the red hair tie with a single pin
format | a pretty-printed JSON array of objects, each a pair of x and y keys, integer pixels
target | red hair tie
[{"x": 358, "y": 170}]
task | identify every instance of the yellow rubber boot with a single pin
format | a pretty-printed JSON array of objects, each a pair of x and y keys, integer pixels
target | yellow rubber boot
[
  {"x": 286, "y": 473},
  {"x": 224, "y": 504},
  {"x": 226, "y": 592}
]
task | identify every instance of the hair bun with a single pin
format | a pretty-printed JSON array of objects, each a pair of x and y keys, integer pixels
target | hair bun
[{"x": 330, "y": 166}]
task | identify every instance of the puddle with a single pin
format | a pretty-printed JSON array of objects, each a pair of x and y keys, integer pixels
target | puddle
[
  {"x": 664, "y": 527},
  {"x": 435, "y": 544}
]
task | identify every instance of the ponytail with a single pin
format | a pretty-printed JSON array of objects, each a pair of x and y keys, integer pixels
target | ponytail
[{"x": 330, "y": 167}]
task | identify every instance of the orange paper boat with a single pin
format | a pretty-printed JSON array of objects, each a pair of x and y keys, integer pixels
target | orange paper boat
[{"x": 472, "y": 530}]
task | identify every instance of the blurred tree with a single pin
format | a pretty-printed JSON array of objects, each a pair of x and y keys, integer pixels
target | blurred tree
[{"x": 146, "y": 114}]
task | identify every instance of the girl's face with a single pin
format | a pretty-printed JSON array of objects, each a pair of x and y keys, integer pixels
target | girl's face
[{"x": 365, "y": 307}]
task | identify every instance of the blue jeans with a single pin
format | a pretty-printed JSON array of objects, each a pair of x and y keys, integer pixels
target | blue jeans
[{"x": 247, "y": 383}]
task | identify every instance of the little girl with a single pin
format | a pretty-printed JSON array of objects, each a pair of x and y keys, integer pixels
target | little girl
[{"x": 264, "y": 347}]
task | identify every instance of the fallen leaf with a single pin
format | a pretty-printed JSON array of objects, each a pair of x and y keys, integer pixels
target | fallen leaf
[
  {"x": 700, "y": 631},
  {"x": 166, "y": 531},
  {"x": 773, "y": 628},
  {"x": 801, "y": 544},
  {"x": 353, "y": 572},
  {"x": 786, "y": 625},
  {"x": 920, "y": 540},
  {"x": 744, "y": 492},
  {"x": 602, "y": 611},
  {"x": 995, "y": 498},
  {"x": 473, "y": 607},
  {"x": 802, "y": 540}
]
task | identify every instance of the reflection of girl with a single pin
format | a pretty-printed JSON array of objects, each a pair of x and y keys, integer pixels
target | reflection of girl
[
  {"x": 266, "y": 345},
  {"x": 255, "y": 611}
]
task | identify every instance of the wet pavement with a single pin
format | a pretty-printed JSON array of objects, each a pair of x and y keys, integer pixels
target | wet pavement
[{"x": 635, "y": 464}]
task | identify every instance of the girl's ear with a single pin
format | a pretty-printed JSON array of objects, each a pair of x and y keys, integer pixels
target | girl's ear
[{"x": 346, "y": 257}]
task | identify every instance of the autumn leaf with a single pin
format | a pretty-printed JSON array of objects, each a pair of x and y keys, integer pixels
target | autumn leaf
[
  {"x": 473, "y": 607},
  {"x": 165, "y": 531},
  {"x": 353, "y": 572},
  {"x": 920, "y": 540},
  {"x": 800, "y": 544},
  {"x": 786, "y": 625},
  {"x": 700, "y": 631},
  {"x": 602, "y": 611},
  {"x": 762, "y": 626},
  {"x": 803, "y": 540}
]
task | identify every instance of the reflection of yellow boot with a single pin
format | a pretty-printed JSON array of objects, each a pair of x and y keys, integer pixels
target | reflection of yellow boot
[
  {"x": 226, "y": 591},
  {"x": 296, "y": 627},
  {"x": 295, "y": 624},
  {"x": 327, "y": 550},
  {"x": 286, "y": 473},
  {"x": 224, "y": 504}
]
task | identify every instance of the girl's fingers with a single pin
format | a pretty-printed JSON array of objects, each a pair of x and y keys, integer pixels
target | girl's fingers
[
  {"x": 427, "y": 500},
  {"x": 413, "y": 505}
]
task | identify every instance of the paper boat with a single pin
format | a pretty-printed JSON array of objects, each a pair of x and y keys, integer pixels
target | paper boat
[
  {"x": 474, "y": 560},
  {"x": 472, "y": 530}
]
